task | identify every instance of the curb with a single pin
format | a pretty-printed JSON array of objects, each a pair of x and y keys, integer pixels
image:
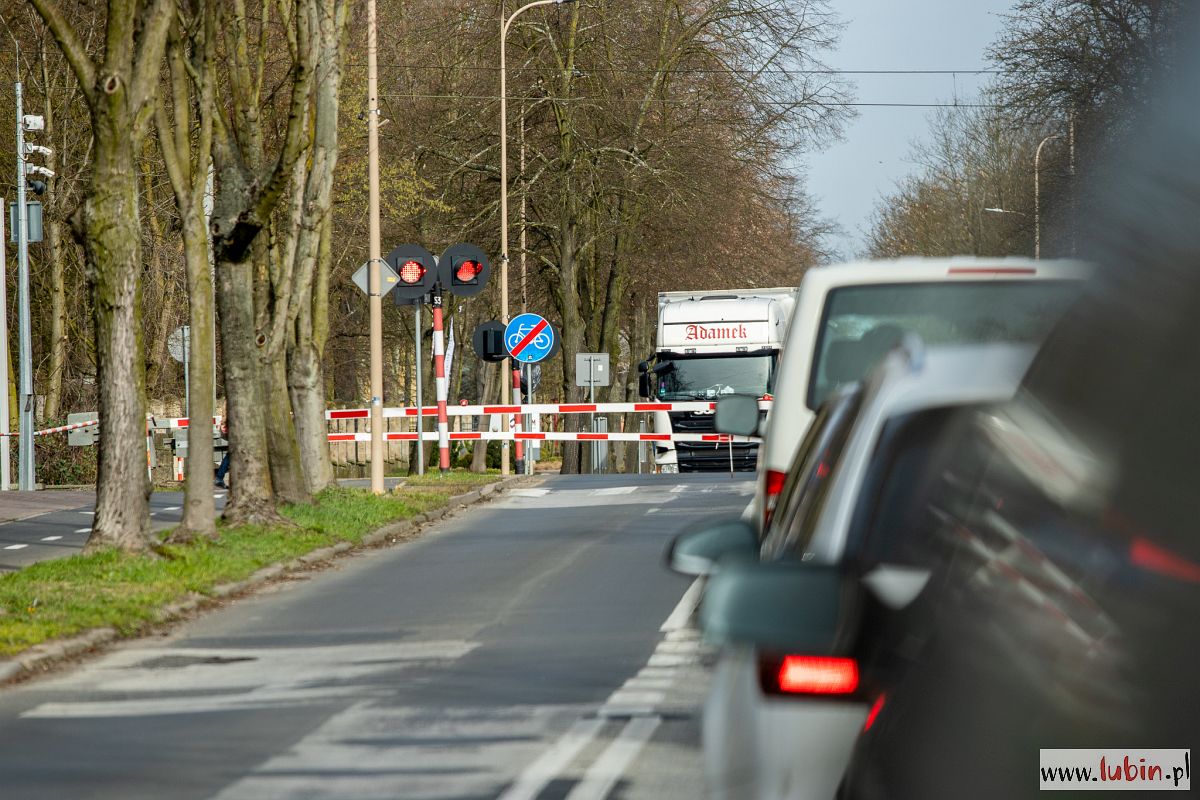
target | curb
[{"x": 41, "y": 657}]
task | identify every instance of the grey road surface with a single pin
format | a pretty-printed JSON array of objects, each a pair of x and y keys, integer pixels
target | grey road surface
[
  {"x": 530, "y": 648},
  {"x": 64, "y": 530}
]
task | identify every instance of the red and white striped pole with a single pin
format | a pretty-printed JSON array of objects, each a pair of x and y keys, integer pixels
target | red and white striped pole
[
  {"x": 516, "y": 385},
  {"x": 439, "y": 366}
]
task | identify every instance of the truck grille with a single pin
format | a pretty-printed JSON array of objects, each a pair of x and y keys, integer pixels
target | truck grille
[{"x": 706, "y": 456}]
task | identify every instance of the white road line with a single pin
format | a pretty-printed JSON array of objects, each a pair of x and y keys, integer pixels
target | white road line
[
  {"x": 173, "y": 508},
  {"x": 686, "y": 606},
  {"x": 51, "y": 538},
  {"x": 610, "y": 490},
  {"x": 16, "y": 547},
  {"x": 600, "y": 778},
  {"x": 654, "y": 511},
  {"x": 543, "y": 770},
  {"x": 680, "y": 488},
  {"x": 84, "y": 530},
  {"x": 89, "y": 513}
]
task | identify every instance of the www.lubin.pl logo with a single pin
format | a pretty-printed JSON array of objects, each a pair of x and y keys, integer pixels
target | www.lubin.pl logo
[{"x": 1115, "y": 769}]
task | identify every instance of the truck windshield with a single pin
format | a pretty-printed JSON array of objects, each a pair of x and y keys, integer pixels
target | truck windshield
[
  {"x": 861, "y": 323},
  {"x": 705, "y": 378}
]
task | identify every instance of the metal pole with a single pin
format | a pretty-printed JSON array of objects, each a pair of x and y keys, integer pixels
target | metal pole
[
  {"x": 516, "y": 387},
  {"x": 439, "y": 379},
  {"x": 5, "y": 481},
  {"x": 592, "y": 399},
  {"x": 505, "y": 390},
  {"x": 187, "y": 384},
  {"x": 420, "y": 396},
  {"x": 1037, "y": 196},
  {"x": 26, "y": 479},
  {"x": 374, "y": 282}
]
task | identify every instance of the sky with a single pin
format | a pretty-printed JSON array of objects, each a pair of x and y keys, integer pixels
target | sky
[{"x": 849, "y": 177}]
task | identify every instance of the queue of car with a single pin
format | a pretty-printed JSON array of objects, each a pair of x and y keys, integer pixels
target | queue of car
[{"x": 959, "y": 552}]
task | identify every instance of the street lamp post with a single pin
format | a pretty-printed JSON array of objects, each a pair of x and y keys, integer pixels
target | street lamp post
[
  {"x": 506, "y": 388},
  {"x": 1037, "y": 195}
]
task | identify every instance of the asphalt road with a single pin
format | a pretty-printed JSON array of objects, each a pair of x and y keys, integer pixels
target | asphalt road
[
  {"x": 531, "y": 647},
  {"x": 64, "y": 532}
]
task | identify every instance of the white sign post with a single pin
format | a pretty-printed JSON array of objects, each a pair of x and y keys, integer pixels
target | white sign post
[
  {"x": 178, "y": 345},
  {"x": 592, "y": 370}
]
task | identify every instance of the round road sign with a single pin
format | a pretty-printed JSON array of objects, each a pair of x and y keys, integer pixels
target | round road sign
[{"x": 529, "y": 338}]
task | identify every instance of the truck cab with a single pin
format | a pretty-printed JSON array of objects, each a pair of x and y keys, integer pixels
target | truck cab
[{"x": 712, "y": 344}]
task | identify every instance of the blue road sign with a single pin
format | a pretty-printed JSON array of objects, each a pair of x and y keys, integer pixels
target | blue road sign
[{"x": 529, "y": 338}]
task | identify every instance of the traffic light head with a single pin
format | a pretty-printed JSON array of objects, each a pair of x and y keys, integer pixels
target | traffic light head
[
  {"x": 465, "y": 270},
  {"x": 417, "y": 270}
]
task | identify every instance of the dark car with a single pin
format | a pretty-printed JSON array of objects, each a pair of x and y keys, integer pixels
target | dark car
[{"x": 1064, "y": 612}]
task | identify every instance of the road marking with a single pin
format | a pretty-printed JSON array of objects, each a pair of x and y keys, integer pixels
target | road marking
[
  {"x": 51, "y": 538},
  {"x": 84, "y": 530},
  {"x": 685, "y": 608},
  {"x": 528, "y": 492},
  {"x": 218, "y": 496},
  {"x": 16, "y": 547},
  {"x": 680, "y": 488},
  {"x": 173, "y": 508},
  {"x": 600, "y": 778},
  {"x": 89, "y": 513},
  {"x": 614, "y": 490},
  {"x": 552, "y": 762},
  {"x": 654, "y": 511}
]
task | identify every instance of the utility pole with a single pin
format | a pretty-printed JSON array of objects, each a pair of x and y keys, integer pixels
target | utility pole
[
  {"x": 5, "y": 478},
  {"x": 25, "y": 469},
  {"x": 375, "y": 282}
]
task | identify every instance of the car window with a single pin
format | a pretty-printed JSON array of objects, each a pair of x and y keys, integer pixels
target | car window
[
  {"x": 808, "y": 478},
  {"x": 896, "y": 511},
  {"x": 860, "y": 324}
]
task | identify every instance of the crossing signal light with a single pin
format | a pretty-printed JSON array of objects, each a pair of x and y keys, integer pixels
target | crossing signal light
[
  {"x": 466, "y": 270},
  {"x": 417, "y": 270},
  {"x": 411, "y": 272}
]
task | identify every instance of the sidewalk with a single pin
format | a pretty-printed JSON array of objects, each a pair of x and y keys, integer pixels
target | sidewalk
[{"x": 16, "y": 505}]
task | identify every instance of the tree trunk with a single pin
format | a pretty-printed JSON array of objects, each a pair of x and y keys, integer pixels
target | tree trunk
[
  {"x": 305, "y": 379},
  {"x": 251, "y": 499},
  {"x": 111, "y": 237},
  {"x": 58, "y": 286},
  {"x": 199, "y": 513}
]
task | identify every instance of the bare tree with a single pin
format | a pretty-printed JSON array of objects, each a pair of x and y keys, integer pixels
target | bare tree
[{"x": 121, "y": 90}]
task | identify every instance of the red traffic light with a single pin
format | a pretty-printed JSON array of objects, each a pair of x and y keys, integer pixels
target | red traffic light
[
  {"x": 467, "y": 271},
  {"x": 464, "y": 270},
  {"x": 411, "y": 272}
]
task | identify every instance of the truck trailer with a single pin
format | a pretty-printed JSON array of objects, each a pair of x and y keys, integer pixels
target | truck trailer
[{"x": 710, "y": 344}]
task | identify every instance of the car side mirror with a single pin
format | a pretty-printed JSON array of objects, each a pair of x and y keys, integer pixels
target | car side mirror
[
  {"x": 644, "y": 384},
  {"x": 737, "y": 414},
  {"x": 789, "y": 606},
  {"x": 698, "y": 551}
]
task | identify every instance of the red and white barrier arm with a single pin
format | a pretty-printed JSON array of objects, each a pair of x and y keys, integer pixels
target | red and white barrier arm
[
  {"x": 537, "y": 408},
  {"x": 548, "y": 436},
  {"x": 60, "y": 429}
]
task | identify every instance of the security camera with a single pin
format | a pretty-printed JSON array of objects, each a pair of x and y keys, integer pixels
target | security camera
[
  {"x": 38, "y": 169},
  {"x": 32, "y": 149}
]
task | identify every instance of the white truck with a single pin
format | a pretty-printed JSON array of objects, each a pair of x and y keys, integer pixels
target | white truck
[{"x": 710, "y": 344}]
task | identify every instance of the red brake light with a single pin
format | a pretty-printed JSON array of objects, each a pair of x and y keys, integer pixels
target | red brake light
[
  {"x": 774, "y": 485},
  {"x": 876, "y": 707},
  {"x": 411, "y": 272},
  {"x": 468, "y": 270},
  {"x": 1149, "y": 556},
  {"x": 818, "y": 675}
]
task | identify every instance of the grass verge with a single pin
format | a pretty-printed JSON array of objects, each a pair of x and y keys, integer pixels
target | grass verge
[{"x": 55, "y": 599}]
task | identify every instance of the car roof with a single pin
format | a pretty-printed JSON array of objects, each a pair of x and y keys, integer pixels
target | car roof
[
  {"x": 977, "y": 268},
  {"x": 911, "y": 378}
]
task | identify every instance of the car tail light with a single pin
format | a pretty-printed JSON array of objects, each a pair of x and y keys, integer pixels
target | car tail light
[
  {"x": 774, "y": 485},
  {"x": 876, "y": 707},
  {"x": 816, "y": 675}
]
